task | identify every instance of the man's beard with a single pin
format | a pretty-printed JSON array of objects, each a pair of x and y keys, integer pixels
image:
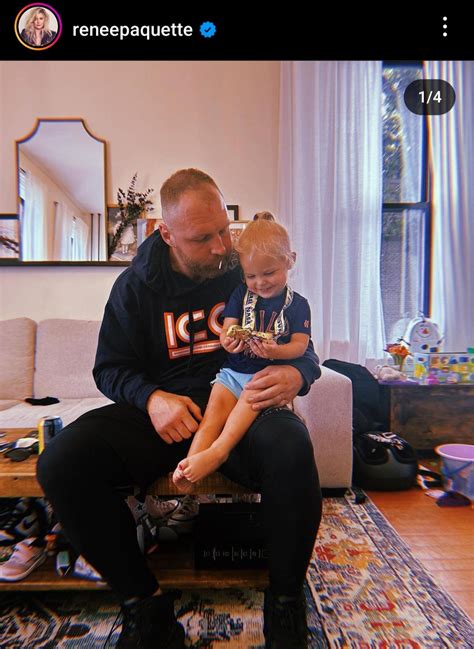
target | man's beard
[{"x": 201, "y": 272}]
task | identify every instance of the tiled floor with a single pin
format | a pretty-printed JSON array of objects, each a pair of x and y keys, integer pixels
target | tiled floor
[{"x": 441, "y": 538}]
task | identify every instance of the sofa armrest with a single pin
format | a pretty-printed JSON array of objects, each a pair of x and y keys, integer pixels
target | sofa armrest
[{"x": 327, "y": 411}]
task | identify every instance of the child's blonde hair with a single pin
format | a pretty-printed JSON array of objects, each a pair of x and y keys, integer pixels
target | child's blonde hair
[{"x": 265, "y": 236}]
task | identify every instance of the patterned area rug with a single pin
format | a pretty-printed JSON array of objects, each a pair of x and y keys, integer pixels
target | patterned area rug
[{"x": 364, "y": 590}]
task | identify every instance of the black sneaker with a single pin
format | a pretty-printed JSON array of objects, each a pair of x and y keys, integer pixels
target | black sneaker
[
  {"x": 284, "y": 622},
  {"x": 150, "y": 623},
  {"x": 7, "y": 505},
  {"x": 29, "y": 517}
]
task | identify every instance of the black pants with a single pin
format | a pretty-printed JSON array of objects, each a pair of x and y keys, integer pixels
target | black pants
[{"x": 114, "y": 446}]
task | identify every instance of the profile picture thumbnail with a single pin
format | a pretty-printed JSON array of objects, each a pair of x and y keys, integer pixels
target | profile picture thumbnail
[{"x": 38, "y": 26}]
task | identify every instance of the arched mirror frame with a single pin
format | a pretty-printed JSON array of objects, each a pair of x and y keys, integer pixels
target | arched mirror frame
[{"x": 103, "y": 221}]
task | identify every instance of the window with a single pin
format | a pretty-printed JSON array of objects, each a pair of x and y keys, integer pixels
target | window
[
  {"x": 22, "y": 192},
  {"x": 406, "y": 227}
]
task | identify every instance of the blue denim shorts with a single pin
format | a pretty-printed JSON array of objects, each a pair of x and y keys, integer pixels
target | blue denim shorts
[{"x": 232, "y": 380}]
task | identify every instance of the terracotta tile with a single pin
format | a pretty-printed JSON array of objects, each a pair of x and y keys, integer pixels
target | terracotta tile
[
  {"x": 439, "y": 553},
  {"x": 465, "y": 599},
  {"x": 445, "y": 563},
  {"x": 442, "y": 539},
  {"x": 456, "y": 579},
  {"x": 449, "y": 545}
]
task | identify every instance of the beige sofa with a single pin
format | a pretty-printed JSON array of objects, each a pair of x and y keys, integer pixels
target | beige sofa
[{"x": 54, "y": 358}]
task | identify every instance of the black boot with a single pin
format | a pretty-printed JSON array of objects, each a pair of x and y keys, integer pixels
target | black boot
[
  {"x": 150, "y": 623},
  {"x": 284, "y": 621}
]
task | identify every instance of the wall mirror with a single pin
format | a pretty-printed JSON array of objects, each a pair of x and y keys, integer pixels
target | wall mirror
[{"x": 61, "y": 193}]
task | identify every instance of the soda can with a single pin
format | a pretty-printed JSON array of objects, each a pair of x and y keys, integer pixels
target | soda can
[{"x": 48, "y": 427}]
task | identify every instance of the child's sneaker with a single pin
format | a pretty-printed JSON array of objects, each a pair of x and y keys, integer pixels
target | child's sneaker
[{"x": 26, "y": 556}]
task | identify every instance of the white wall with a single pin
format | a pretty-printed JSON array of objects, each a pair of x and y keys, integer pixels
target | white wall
[
  {"x": 156, "y": 116},
  {"x": 56, "y": 292}
]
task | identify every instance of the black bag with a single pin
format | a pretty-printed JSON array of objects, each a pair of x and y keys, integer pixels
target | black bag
[
  {"x": 367, "y": 413},
  {"x": 384, "y": 462}
]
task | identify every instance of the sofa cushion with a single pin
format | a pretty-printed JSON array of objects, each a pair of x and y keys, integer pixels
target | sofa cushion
[
  {"x": 25, "y": 415},
  {"x": 65, "y": 353},
  {"x": 17, "y": 358},
  {"x": 8, "y": 403}
]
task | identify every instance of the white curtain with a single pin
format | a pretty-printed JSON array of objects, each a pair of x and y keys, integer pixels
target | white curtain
[
  {"x": 80, "y": 247},
  {"x": 63, "y": 233},
  {"x": 71, "y": 236},
  {"x": 452, "y": 165},
  {"x": 34, "y": 241},
  {"x": 330, "y": 198}
]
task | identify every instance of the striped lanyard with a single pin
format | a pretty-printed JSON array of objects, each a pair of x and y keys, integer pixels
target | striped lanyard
[{"x": 249, "y": 312}]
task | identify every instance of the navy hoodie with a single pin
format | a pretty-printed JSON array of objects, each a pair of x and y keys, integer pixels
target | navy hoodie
[{"x": 161, "y": 331}]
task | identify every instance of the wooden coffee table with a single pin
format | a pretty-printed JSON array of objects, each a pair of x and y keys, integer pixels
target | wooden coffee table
[
  {"x": 19, "y": 478},
  {"x": 173, "y": 563}
]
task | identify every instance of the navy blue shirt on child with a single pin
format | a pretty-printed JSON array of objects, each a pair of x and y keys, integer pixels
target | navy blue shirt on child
[{"x": 297, "y": 320}]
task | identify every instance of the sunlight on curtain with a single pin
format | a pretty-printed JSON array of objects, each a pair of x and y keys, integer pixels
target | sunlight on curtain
[
  {"x": 452, "y": 165},
  {"x": 34, "y": 243},
  {"x": 330, "y": 198},
  {"x": 71, "y": 236},
  {"x": 80, "y": 246},
  {"x": 63, "y": 233}
]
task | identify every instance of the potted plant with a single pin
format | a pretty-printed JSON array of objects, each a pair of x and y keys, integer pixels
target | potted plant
[
  {"x": 132, "y": 205},
  {"x": 399, "y": 353}
]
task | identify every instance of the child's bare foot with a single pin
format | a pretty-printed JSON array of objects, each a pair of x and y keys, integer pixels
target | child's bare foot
[
  {"x": 196, "y": 467},
  {"x": 181, "y": 482}
]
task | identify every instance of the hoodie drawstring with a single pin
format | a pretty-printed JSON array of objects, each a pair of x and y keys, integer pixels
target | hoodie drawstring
[{"x": 191, "y": 338}]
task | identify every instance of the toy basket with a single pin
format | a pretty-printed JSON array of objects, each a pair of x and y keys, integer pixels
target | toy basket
[{"x": 458, "y": 467}]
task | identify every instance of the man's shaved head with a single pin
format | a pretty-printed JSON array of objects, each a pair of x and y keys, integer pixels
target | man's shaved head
[
  {"x": 195, "y": 225},
  {"x": 178, "y": 184}
]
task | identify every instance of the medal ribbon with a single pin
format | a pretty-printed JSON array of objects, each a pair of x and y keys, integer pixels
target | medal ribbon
[{"x": 249, "y": 312}]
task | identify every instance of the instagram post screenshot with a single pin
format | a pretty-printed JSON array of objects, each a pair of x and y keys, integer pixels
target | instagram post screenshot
[{"x": 236, "y": 326}]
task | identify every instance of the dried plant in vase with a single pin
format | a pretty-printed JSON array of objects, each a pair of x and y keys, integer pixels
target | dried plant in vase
[
  {"x": 132, "y": 205},
  {"x": 9, "y": 244}
]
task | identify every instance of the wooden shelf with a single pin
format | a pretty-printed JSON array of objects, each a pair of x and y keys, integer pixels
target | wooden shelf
[{"x": 172, "y": 563}]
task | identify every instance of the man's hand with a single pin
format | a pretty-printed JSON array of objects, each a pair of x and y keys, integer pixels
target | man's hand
[
  {"x": 275, "y": 385},
  {"x": 173, "y": 416}
]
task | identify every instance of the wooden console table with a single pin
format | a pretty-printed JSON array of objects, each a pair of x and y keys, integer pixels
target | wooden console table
[
  {"x": 429, "y": 415},
  {"x": 173, "y": 563}
]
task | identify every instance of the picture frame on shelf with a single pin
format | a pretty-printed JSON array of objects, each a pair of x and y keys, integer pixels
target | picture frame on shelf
[
  {"x": 126, "y": 247},
  {"x": 236, "y": 228},
  {"x": 145, "y": 227},
  {"x": 9, "y": 236},
  {"x": 233, "y": 211}
]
